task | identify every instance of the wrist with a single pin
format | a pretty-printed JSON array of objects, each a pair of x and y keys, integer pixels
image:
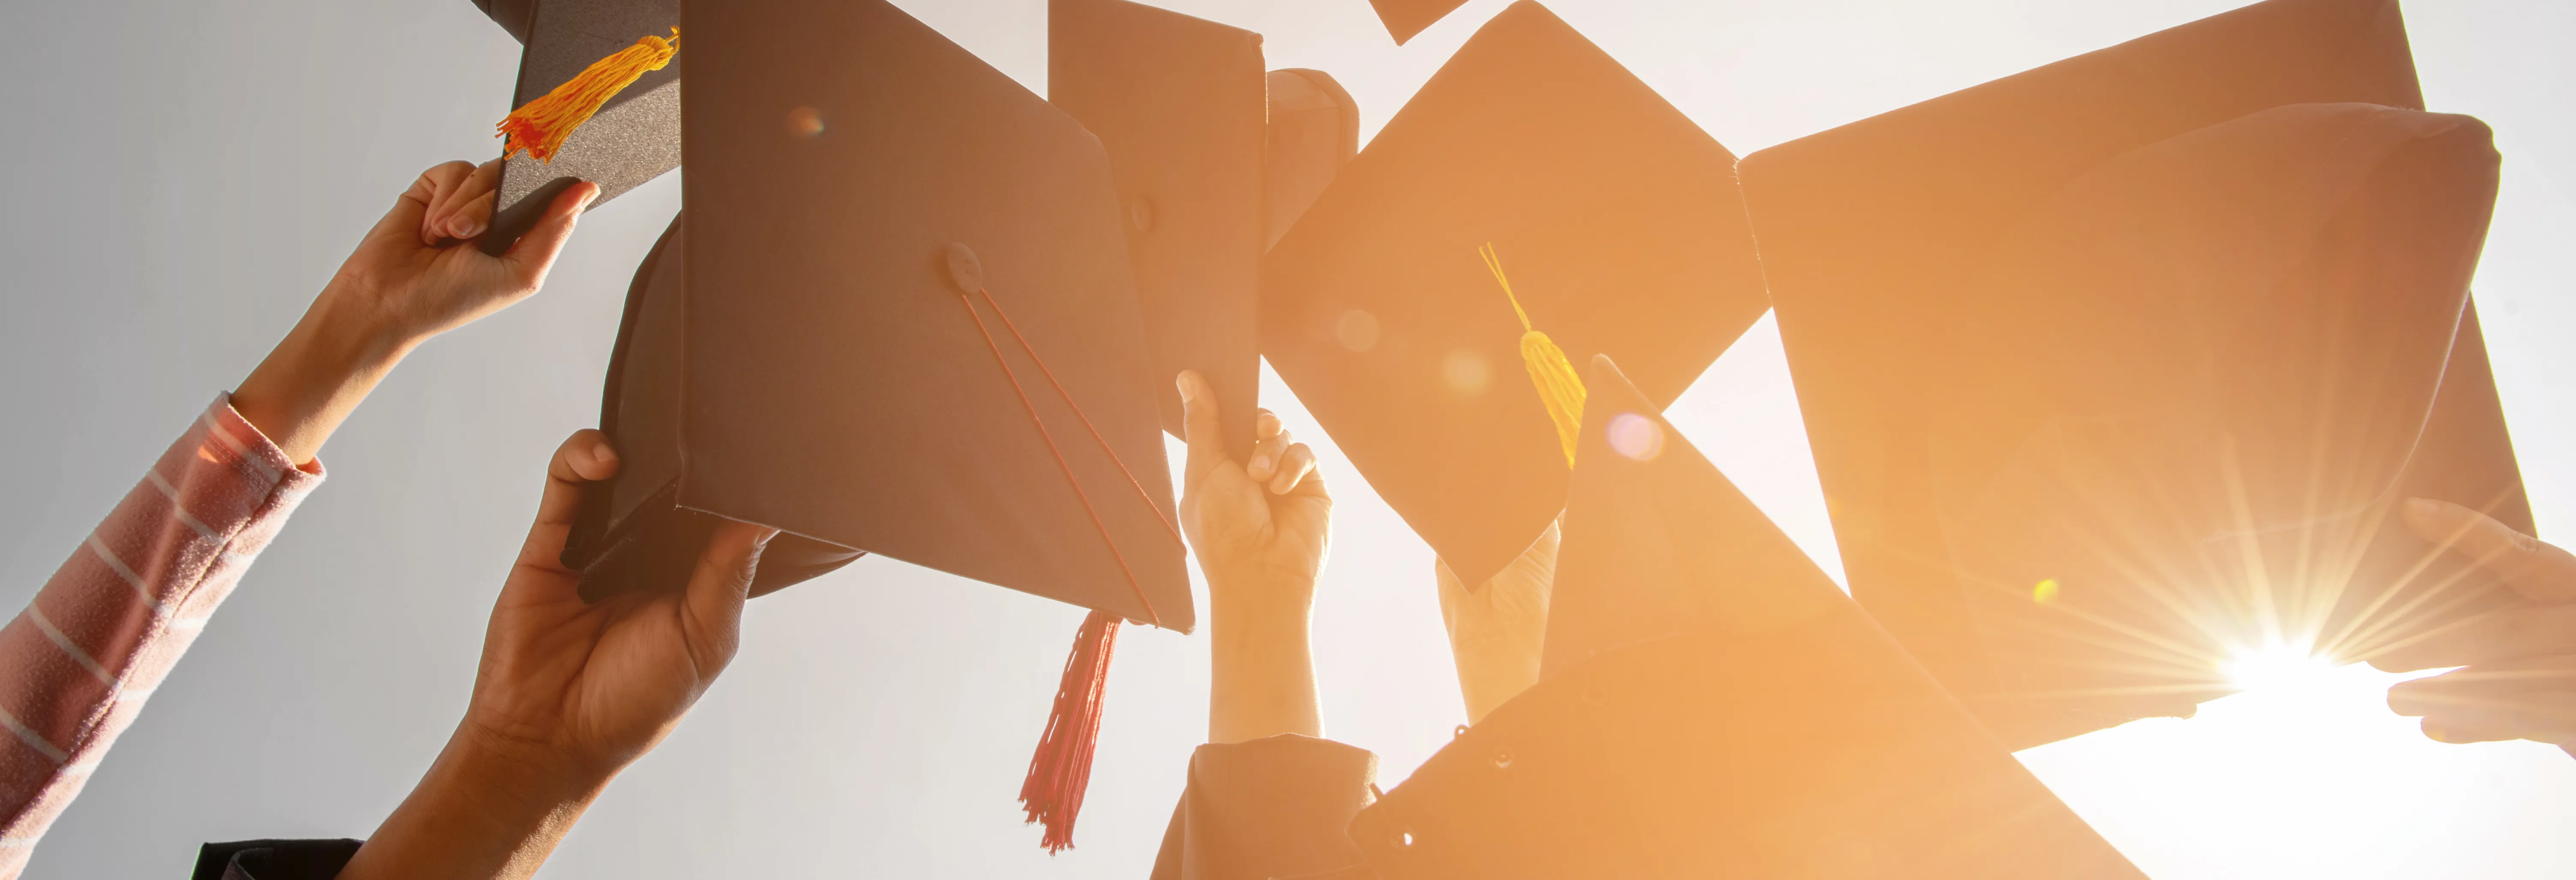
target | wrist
[
  {"x": 320, "y": 372},
  {"x": 486, "y": 808},
  {"x": 1272, "y": 597},
  {"x": 354, "y": 330}
]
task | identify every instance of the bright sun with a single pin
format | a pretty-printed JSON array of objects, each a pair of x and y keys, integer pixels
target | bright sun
[{"x": 2276, "y": 667}]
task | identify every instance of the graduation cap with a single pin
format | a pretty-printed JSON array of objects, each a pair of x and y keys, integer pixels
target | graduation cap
[
  {"x": 1178, "y": 103},
  {"x": 2113, "y": 367},
  {"x": 598, "y": 99},
  {"x": 1713, "y": 706},
  {"x": 1404, "y": 18},
  {"x": 898, "y": 317},
  {"x": 1313, "y": 133},
  {"x": 1533, "y": 203}
]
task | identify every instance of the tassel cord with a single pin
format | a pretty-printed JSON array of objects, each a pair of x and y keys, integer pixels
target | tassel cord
[
  {"x": 1066, "y": 467},
  {"x": 1086, "y": 420},
  {"x": 1559, "y": 388}
]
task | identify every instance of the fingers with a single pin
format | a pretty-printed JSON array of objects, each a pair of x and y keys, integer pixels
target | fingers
[
  {"x": 454, "y": 189},
  {"x": 1199, "y": 426},
  {"x": 1270, "y": 445},
  {"x": 2495, "y": 635},
  {"x": 2535, "y": 569},
  {"x": 2507, "y": 678},
  {"x": 585, "y": 457},
  {"x": 1294, "y": 466},
  {"x": 535, "y": 252},
  {"x": 2545, "y": 716},
  {"x": 717, "y": 589},
  {"x": 472, "y": 218}
]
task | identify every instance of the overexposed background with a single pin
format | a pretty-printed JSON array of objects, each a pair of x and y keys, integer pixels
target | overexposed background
[{"x": 178, "y": 177}]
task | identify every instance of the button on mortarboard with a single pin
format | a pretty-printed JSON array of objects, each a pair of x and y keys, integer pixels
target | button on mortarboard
[
  {"x": 1616, "y": 222},
  {"x": 1726, "y": 712},
  {"x": 1178, "y": 103},
  {"x": 851, "y": 173},
  {"x": 842, "y": 382},
  {"x": 1922, "y": 373},
  {"x": 633, "y": 138}
]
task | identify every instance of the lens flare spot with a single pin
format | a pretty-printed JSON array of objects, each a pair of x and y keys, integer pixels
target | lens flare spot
[
  {"x": 2044, "y": 592},
  {"x": 1356, "y": 331},
  {"x": 1636, "y": 436},
  {"x": 1465, "y": 372},
  {"x": 2277, "y": 666},
  {"x": 804, "y": 122}
]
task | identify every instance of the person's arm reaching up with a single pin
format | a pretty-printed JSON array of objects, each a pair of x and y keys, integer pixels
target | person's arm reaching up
[
  {"x": 568, "y": 694},
  {"x": 1495, "y": 631},
  {"x": 1259, "y": 530},
  {"x": 410, "y": 279},
  {"x": 78, "y": 661}
]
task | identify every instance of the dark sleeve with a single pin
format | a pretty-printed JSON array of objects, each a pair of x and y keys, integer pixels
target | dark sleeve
[
  {"x": 1272, "y": 807},
  {"x": 274, "y": 859}
]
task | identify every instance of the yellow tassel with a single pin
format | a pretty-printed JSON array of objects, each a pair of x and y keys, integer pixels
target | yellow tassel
[
  {"x": 1558, "y": 385},
  {"x": 540, "y": 126}
]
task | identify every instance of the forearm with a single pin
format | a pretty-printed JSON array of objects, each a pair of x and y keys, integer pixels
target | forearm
[
  {"x": 116, "y": 617},
  {"x": 483, "y": 810},
  {"x": 320, "y": 372},
  {"x": 1262, "y": 679}
]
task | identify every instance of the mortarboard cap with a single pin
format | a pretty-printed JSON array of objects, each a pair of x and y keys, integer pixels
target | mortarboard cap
[
  {"x": 511, "y": 15},
  {"x": 905, "y": 324},
  {"x": 1314, "y": 131},
  {"x": 613, "y": 546},
  {"x": 1617, "y": 223},
  {"x": 857, "y": 183},
  {"x": 2034, "y": 323},
  {"x": 1404, "y": 18},
  {"x": 633, "y": 138},
  {"x": 1178, "y": 103},
  {"x": 1728, "y": 713}
]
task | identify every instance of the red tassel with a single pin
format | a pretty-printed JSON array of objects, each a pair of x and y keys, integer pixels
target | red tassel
[{"x": 1061, "y": 770}]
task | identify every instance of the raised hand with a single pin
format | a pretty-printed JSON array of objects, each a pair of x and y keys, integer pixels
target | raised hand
[
  {"x": 415, "y": 275},
  {"x": 1496, "y": 631},
  {"x": 567, "y": 695},
  {"x": 415, "y": 270},
  {"x": 2519, "y": 675},
  {"x": 1260, "y": 531}
]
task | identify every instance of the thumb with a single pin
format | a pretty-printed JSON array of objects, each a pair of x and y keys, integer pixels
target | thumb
[
  {"x": 716, "y": 591},
  {"x": 535, "y": 251},
  {"x": 1199, "y": 427}
]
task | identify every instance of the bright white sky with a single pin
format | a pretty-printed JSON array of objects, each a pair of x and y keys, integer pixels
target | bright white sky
[{"x": 182, "y": 174}]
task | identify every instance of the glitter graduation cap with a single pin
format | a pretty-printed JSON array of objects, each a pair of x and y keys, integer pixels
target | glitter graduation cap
[{"x": 618, "y": 132}]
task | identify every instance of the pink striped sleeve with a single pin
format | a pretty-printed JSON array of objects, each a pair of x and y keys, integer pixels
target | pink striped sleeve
[{"x": 78, "y": 662}]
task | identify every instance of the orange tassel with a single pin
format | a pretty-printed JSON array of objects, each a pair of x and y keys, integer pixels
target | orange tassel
[
  {"x": 1558, "y": 385},
  {"x": 541, "y": 126}
]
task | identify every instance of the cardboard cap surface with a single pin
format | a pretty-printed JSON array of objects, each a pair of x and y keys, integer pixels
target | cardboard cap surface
[{"x": 1617, "y": 222}]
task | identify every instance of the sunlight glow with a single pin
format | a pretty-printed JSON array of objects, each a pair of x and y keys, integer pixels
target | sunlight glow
[{"x": 2278, "y": 667}]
